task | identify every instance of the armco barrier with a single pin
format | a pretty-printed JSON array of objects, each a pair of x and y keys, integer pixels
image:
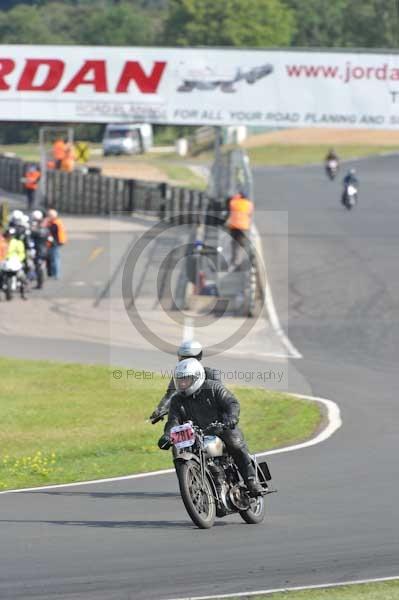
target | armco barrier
[
  {"x": 96, "y": 194},
  {"x": 11, "y": 172}
]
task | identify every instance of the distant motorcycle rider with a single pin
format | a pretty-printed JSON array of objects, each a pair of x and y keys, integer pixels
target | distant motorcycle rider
[
  {"x": 331, "y": 155},
  {"x": 203, "y": 402},
  {"x": 351, "y": 179},
  {"x": 188, "y": 349},
  {"x": 331, "y": 164}
]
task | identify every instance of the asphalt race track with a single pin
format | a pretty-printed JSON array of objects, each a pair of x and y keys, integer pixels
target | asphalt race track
[{"x": 336, "y": 516}]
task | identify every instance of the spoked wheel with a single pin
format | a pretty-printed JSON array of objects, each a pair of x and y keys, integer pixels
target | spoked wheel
[
  {"x": 40, "y": 276},
  {"x": 256, "y": 513},
  {"x": 196, "y": 494},
  {"x": 9, "y": 290}
]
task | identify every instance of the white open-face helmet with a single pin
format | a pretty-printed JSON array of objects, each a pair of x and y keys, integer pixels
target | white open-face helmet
[
  {"x": 37, "y": 215},
  {"x": 189, "y": 376},
  {"x": 189, "y": 349},
  {"x": 17, "y": 216}
]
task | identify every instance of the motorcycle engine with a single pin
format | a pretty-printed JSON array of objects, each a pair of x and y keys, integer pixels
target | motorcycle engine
[{"x": 238, "y": 498}]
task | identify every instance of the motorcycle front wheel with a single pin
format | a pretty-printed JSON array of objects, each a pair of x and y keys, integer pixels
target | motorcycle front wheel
[
  {"x": 196, "y": 494},
  {"x": 256, "y": 513},
  {"x": 40, "y": 276},
  {"x": 9, "y": 290}
]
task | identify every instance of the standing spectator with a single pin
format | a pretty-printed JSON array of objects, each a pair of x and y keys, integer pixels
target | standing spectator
[
  {"x": 31, "y": 183},
  {"x": 239, "y": 222},
  {"x": 57, "y": 238},
  {"x": 68, "y": 162},
  {"x": 59, "y": 152}
]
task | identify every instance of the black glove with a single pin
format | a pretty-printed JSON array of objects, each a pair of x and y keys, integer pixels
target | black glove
[
  {"x": 164, "y": 442},
  {"x": 230, "y": 422},
  {"x": 155, "y": 416}
]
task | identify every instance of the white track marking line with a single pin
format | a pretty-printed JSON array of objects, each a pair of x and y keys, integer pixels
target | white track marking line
[
  {"x": 188, "y": 330},
  {"x": 91, "y": 482},
  {"x": 334, "y": 423},
  {"x": 321, "y": 164},
  {"x": 270, "y": 305},
  {"x": 291, "y": 589}
]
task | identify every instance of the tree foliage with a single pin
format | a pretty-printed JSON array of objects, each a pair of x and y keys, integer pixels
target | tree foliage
[
  {"x": 372, "y": 24},
  {"x": 345, "y": 23},
  {"x": 228, "y": 23},
  {"x": 86, "y": 22},
  {"x": 247, "y": 23}
]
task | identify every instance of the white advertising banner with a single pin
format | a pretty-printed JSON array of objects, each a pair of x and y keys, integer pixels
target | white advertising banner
[{"x": 199, "y": 86}]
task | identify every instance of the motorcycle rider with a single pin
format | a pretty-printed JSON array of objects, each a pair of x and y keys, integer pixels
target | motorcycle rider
[
  {"x": 187, "y": 349},
  {"x": 349, "y": 179},
  {"x": 16, "y": 218},
  {"x": 331, "y": 163},
  {"x": 20, "y": 222},
  {"x": 203, "y": 402},
  {"x": 39, "y": 236},
  {"x": 331, "y": 155},
  {"x": 16, "y": 248}
]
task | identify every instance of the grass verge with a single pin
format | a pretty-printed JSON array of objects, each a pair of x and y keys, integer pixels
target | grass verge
[
  {"x": 281, "y": 154},
  {"x": 24, "y": 151},
  {"x": 386, "y": 590},
  {"x": 68, "y": 422},
  {"x": 181, "y": 175},
  {"x": 174, "y": 172}
]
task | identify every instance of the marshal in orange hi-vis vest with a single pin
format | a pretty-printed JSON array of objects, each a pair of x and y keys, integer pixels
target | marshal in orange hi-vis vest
[
  {"x": 241, "y": 210},
  {"x": 32, "y": 179}
]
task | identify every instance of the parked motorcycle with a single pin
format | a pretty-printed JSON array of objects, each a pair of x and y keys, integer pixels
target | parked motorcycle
[
  {"x": 332, "y": 168},
  {"x": 12, "y": 277},
  {"x": 349, "y": 196},
  {"x": 210, "y": 483}
]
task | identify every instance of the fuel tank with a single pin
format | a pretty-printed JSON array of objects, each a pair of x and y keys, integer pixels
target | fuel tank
[{"x": 214, "y": 446}]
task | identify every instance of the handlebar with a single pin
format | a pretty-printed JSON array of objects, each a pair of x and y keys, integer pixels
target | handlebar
[{"x": 215, "y": 425}]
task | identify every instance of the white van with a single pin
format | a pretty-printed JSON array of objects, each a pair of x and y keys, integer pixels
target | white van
[{"x": 127, "y": 138}]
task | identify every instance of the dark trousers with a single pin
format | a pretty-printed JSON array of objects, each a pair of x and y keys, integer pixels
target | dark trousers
[
  {"x": 30, "y": 198},
  {"x": 238, "y": 240},
  {"x": 237, "y": 448}
]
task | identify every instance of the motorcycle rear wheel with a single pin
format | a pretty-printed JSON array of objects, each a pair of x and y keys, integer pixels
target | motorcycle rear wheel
[
  {"x": 256, "y": 513},
  {"x": 197, "y": 497}
]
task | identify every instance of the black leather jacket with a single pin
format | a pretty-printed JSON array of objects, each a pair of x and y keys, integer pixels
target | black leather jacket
[
  {"x": 350, "y": 179},
  {"x": 213, "y": 402}
]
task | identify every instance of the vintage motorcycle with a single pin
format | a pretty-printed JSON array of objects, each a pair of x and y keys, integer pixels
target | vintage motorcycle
[
  {"x": 349, "y": 196},
  {"x": 210, "y": 483},
  {"x": 12, "y": 277},
  {"x": 332, "y": 168}
]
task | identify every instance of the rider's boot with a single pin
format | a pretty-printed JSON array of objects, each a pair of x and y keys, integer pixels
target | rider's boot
[{"x": 254, "y": 487}]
